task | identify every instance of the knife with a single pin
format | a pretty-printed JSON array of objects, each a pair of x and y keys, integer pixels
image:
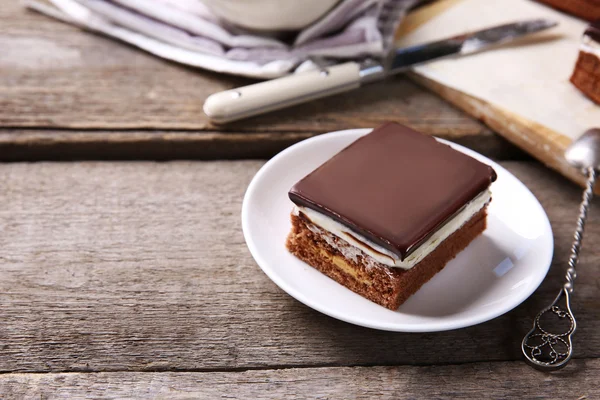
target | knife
[{"x": 259, "y": 98}]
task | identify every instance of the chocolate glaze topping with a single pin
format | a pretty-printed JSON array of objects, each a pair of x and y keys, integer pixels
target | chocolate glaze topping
[
  {"x": 394, "y": 186},
  {"x": 593, "y": 31}
]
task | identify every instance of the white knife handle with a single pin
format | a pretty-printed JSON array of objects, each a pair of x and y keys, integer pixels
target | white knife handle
[{"x": 278, "y": 93}]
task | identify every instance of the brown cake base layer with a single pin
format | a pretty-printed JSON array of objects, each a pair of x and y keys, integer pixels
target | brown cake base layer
[
  {"x": 586, "y": 75},
  {"x": 585, "y": 9},
  {"x": 377, "y": 282}
]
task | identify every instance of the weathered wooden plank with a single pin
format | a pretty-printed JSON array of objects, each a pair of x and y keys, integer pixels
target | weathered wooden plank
[
  {"x": 499, "y": 380},
  {"x": 57, "y": 76},
  {"x": 53, "y": 145},
  {"x": 142, "y": 266}
]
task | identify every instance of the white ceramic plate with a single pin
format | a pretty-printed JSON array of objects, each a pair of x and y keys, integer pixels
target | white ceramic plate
[{"x": 494, "y": 274}]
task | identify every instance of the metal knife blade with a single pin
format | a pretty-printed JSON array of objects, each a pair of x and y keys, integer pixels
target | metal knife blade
[
  {"x": 403, "y": 59},
  {"x": 294, "y": 89}
]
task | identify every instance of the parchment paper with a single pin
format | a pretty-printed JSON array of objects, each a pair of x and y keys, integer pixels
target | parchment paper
[{"x": 529, "y": 78}]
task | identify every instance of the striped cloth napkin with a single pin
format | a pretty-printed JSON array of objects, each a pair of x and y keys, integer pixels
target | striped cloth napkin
[{"x": 187, "y": 32}]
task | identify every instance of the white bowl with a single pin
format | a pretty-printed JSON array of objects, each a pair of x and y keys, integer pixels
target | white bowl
[{"x": 270, "y": 15}]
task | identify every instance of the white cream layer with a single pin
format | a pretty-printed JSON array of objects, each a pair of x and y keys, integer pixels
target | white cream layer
[
  {"x": 385, "y": 256},
  {"x": 589, "y": 45}
]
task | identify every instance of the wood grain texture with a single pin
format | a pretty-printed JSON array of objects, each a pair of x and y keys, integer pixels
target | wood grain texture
[
  {"x": 500, "y": 380},
  {"x": 119, "y": 102},
  {"x": 143, "y": 267},
  {"x": 541, "y": 142},
  {"x": 55, "y": 75}
]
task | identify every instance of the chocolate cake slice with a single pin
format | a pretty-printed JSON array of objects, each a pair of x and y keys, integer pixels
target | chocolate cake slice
[
  {"x": 586, "y": 75},
  {"x": 388, "y": 212}
]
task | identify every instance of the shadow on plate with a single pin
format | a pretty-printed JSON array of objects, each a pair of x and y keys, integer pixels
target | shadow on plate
[{"x": 463, "y": 282}]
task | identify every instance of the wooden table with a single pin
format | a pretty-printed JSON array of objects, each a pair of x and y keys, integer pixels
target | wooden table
[{"x": 127, "y": 279}]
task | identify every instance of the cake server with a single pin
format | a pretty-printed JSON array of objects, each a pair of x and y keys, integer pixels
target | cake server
[
  {"x": 543, "y": 346},
  {"x": 298, "y": 88}
]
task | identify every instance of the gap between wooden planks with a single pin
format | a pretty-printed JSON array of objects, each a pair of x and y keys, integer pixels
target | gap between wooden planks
[{"x": 68, "y": 145}]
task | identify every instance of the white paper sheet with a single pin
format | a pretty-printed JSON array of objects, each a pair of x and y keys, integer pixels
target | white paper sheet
[{"x": 529, "y": 78}]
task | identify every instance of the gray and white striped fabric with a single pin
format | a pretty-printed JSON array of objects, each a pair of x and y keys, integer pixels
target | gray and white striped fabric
[{"x": 187, "y": 32}]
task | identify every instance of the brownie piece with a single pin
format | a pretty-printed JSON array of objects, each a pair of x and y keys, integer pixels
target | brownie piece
[
  {"x": 387, "y": 213},
  {"x": 586, "y": 74}
]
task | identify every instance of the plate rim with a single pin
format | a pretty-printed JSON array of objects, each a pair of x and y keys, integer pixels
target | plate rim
[{"x": 299, "y": 296}]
